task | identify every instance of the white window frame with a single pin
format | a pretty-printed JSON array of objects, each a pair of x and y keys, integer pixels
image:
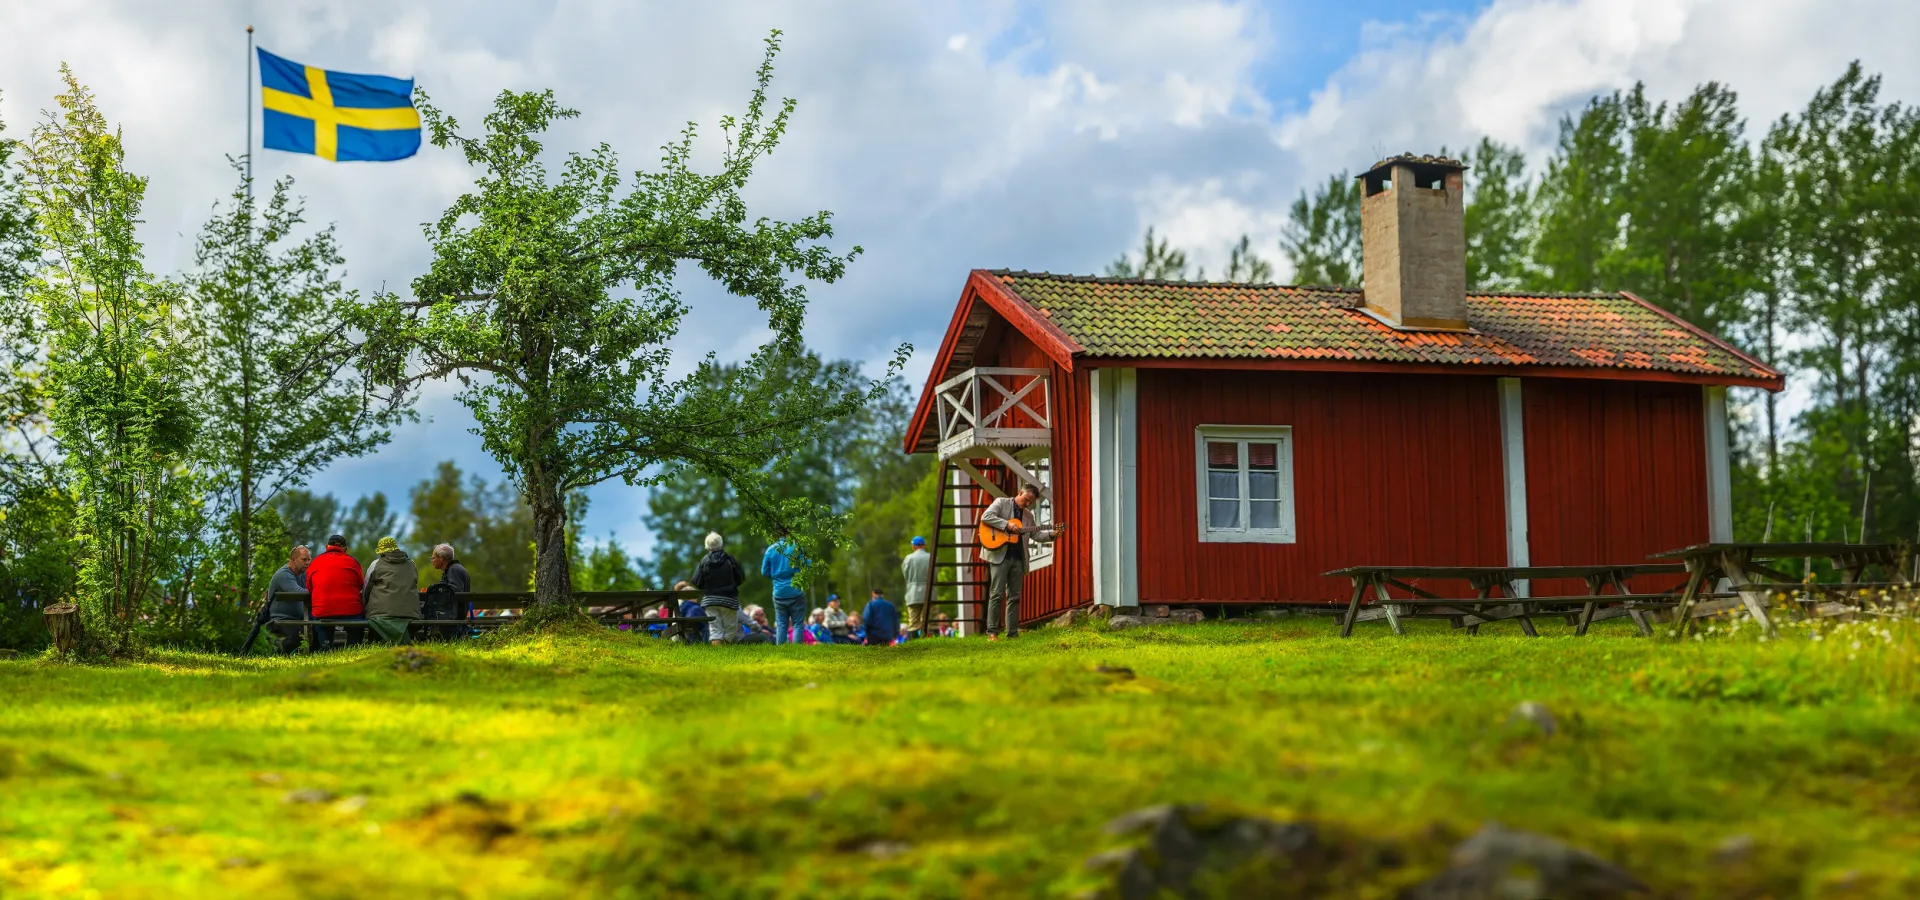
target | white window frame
[
  {"x": 1039, "y": 463},
  {"x": 1281, "y": 435}
]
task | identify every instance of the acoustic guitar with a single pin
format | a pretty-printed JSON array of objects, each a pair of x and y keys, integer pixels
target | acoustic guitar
[{"x": 994, "y": 538}]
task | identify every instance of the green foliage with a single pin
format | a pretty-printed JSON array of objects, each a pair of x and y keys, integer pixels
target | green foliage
[
  {"x": 366, "y": 522},
  {"x": 1499, "y": 217},
  {"x": 1157, "y": 262},
  {"x": 607, "y": 567},
  {"x": 1322, "y": 235},
  {"x": 274, "y": 405},
  {"x": 116, "y": 368},
  {"x": 1246, "y": 267},
  {"x": 553, "y": 301},
  {"x": 820, "y": 473},
  {"x": 490, "y": 528},
  {"x": 894, "y": 498},
  {"x": 307, "y": 517}
]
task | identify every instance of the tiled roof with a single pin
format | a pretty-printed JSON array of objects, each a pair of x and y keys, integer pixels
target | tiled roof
[{"x": 1142, "y": 319}]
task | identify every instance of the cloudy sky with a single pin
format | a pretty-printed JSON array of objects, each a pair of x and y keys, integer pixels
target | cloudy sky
[{"x": 944, "y": 136}]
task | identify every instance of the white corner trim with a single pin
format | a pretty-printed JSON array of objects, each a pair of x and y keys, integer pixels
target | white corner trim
[
  {"x": 1719, "y": 466},
  {"x": 1114, "y": 447},
  {"x": 1513, "y": 468}
]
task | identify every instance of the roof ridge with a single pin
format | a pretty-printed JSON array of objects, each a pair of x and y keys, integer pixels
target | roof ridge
[{"x": 1161, "y": 282}]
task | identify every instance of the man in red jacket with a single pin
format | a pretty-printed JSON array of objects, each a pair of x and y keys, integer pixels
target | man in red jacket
[{"x": 334, "y": 581}]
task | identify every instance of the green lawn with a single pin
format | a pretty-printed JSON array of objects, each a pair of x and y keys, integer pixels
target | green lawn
[{"x": 606, "y": 765}]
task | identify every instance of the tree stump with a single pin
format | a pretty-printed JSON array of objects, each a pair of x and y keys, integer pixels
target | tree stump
[{"x": 63, "y": 623}]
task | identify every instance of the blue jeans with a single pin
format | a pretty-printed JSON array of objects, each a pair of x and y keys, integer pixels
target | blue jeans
[{"x": 788, "y": 615}]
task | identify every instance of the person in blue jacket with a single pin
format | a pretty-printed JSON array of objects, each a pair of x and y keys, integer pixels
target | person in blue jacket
[
  {"x": 780, "y": 564},
  {"x": 882, "y": 620}
]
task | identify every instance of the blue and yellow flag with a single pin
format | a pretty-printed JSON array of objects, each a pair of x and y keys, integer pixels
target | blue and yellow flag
[{"x": 336, "y": 115}]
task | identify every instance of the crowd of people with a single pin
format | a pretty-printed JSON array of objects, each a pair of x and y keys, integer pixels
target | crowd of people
[
  {"x": 384, "y": 598},
  {"x": 719, "y": 618}
]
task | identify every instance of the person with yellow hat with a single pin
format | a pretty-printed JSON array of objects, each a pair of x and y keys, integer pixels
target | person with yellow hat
[{"x": 392, "y": 594}]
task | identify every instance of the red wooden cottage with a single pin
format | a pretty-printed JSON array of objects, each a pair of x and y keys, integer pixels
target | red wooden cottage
[{"x": 1228, "y": 443}]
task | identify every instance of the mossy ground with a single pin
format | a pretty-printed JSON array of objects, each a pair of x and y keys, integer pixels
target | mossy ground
[{"x": 612, "y": 766}]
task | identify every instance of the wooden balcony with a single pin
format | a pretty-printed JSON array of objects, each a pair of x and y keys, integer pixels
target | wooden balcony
[{"x": 985, "y": 409}]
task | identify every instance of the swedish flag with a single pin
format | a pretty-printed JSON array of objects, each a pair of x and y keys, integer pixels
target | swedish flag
[{"x": 336, "y": 115}]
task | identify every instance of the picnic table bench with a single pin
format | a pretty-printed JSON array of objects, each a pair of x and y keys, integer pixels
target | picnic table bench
[
  {"x": 1496, "y": 598},
  {"x": 1745, "y": 566},
  {"x": 606, "y": 607}
]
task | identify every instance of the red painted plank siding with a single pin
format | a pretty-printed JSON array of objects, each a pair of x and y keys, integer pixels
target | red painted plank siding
[
  {"x": 1387, "y": 469},
  {"x": 1615, "y": 471}
]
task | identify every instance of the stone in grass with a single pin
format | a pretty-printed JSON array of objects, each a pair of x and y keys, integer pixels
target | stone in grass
[
  {"x": 1156, "y": 611},
  {"x": 307, "y": 795},
  {"x": 1069, "y": 618},
  {"x": 1500, "y": 863},
  {"x": 1122, "y": 623},
  {"x": 1188, "y": 616},
  {"x": 1121, "y": 672},
  {"x": 1535, "y": 714},
  {"x": 1273, "y": 612},
  {"x": 1188, "y": 851}
]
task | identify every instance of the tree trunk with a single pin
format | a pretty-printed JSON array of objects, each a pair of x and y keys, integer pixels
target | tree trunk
[
  {"x": 552, "y": 574},
  {"x": 63, "y": 623}
]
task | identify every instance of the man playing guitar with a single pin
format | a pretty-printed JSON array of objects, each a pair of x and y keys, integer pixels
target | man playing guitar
[{"x": 1005, "y": 531}]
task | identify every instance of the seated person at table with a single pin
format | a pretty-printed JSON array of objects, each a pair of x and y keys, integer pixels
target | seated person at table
[
  {"x": 451, "y": 571},
  {"x": 335, "y": 581},
  {"x": 883, "y": 620},
  {"x": 392, "y": 594},
  {"x": 291, "y": 578}
]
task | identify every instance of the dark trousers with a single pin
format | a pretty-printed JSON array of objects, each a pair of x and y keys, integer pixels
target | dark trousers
[
  {"x": 323, "y": 635},
  {"x": 289, "y": 638},
  {"x": 1003, "y": 585}
]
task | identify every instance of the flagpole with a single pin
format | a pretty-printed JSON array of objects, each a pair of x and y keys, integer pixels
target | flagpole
[{"x": 249, "y": 109}]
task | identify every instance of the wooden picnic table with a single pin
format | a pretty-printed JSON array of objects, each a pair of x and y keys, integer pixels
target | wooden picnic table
[
  {"x": 1745, "y": 566},
  {"x": 614, "y": 607},
  {"x": 1497, "y": 599}
]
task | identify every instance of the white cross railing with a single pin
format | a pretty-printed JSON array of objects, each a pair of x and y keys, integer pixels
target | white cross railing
[{"x": 977, "y": 408}]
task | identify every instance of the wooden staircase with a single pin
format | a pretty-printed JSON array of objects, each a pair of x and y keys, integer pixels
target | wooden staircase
[{"x": 954, "y": 546}]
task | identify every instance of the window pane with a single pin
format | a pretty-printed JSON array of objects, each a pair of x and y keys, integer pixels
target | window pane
[
  {"x": 1223, "y": 514},
  {"x": 1263, "y": 456},
  {"x": 1223, "y": 485},
  {"x": 1263, "y": 485},
  {"x": 1263, "y": 514},
  {"x": 1223, "y": 455}
]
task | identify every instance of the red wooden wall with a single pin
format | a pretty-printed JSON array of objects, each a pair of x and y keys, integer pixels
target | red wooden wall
[
  {"x": 1387, "y": 469},
  {"x": 1615, "y": 471}
]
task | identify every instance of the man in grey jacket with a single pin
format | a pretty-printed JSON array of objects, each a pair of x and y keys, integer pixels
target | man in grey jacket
[
  {"x": 291, "y": 579},
  {"x": 1007, "y": 564},
  {"x": 917, "y": 569}
]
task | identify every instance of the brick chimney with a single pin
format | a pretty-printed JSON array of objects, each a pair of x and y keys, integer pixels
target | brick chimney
[{"x": 1413, "y": 242}]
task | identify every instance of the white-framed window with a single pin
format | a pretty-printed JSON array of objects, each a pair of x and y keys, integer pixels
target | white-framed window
[
  {"x": 1245, "y": 478},
  {"x": 1039, "y": 555}
]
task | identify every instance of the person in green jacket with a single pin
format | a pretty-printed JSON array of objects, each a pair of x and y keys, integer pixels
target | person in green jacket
[{"x": 392, "y": 594}]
